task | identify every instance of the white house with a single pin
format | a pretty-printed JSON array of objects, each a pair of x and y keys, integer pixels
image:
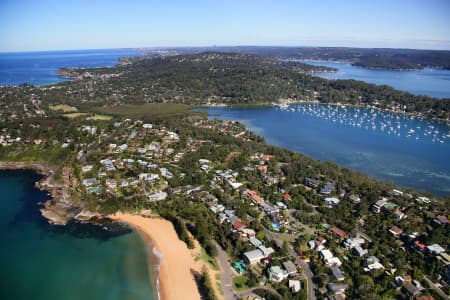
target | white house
[
  {"x": 157, "y": 196},
  {"x": 332, "y": 201}
]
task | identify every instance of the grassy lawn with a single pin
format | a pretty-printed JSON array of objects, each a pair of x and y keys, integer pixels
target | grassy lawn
[
  {"x": 99, "y": 118},
  {"x": 240, "y": 283},
  {"x": 74, "y": 115},
  {"x": 148, "y": 110},
  {"x": 218, "y": 284},
  {"x": 64, "y": 108},
  {"x": 211, "y": 261}
]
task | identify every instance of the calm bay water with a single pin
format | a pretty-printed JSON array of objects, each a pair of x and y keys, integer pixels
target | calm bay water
[
  {"x": 428, "y": 82},
  {"x": 39, "y": 68},
  {"x": 39, "y": 261},
  {"x": 382, "y": 145}
]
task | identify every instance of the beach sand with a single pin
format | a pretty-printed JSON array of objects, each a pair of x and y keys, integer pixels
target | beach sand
[{"x": 176, "y": 276}]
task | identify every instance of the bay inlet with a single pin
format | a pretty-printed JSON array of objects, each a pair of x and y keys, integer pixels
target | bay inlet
[{"x": 407, "y": 151}]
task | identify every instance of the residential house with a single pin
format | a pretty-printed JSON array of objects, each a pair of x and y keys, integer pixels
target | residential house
[
  {"x": 337, "y": 288},
  {"x": 87, "y": 168},
  {"x": 329, "y": 258},
  {"x": 157, "y": 196},
  {"x": 312, "y": 183},
  {"x": 277, "y": 274},
  {"x": 376, "y": 208},
  {"x": 89, "y": 182},
  {"x": 238, "y": 225},
  {"x": 373, "y": 263},
  {"x": 287, "y": 197},
  {"x": 399, "y": 215},
  {"x": 409, "y": 289},
  {"x": 396, "y": 192},
  {"x": 294, "y": 286},
  {"x": 441, "y": 220},
  {"x": 435, "y": 249},
  {"x": 444, "y": 258},
  {"x": 281, "y": 205},
  {"x": 111, "y": 183},
  {"x": 422, "y": 199},
  {"x": 337, "y": 274},
  {"x": 359, "y": 251},
  {"x": 255, "y": 256},
  {"x": 420, "y": 246},
  {"x": 353, "y": 242},
  {"x": 290, "y": 268},
  {"x": 122, "y": 148},
  {"x": 327, "y": 189},
  {"x": 255, "y": 242},
  {"x": 341, "y": 234},
  {"x": 332, "y": 201},
  {"x": 354, "y": 198},
  {"x": 395, "y": 231}
]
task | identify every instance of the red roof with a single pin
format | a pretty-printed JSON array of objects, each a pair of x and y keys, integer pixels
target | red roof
[
  {"x": 256, "y": 198},
  {"x": 238, "y": 225},
  {"x": 287, "y": 196},
  {"x": 262, "y": 169},
  {"x": 341, "y": 233},
  {"x": 251, "y": 193},
  {"x": 395, "y": 230},
  {"x": 443, "y": 219},
  {"x": 420, "y": 245}
]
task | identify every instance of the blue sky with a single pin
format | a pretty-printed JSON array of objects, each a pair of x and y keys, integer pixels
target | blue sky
[{"x": 28, "y": 25}]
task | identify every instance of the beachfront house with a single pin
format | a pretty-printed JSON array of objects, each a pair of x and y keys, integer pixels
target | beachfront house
[{"x": 255, "y": 256}]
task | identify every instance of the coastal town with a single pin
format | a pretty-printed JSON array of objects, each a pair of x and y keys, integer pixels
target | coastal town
[{"x": 276, "y": 224}]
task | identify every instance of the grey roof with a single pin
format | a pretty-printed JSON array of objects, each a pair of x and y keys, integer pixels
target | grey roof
[
  {"x": 255, "y": 242},
  {"x": 337, "y": 287},
  {"x": 290, "y": 267},
  {"x": 337, "y": 273},
  {"x": 254, "y": 255}
]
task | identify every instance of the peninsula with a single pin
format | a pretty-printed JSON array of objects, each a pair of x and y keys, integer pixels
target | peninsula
[{"x": 241, "y": 217}]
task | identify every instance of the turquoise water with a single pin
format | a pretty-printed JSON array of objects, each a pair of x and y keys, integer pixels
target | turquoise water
[
  {"x": 428, "y": 82},
  {"x": 39, "y": 261},
  {"x": 409, "y": 152},
  {"x": 39, "y": 68}
]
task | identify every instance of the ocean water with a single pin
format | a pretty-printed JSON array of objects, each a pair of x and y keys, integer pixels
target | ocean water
[
  {"x": 40, "y": 261},
  {"x": 428, "y": 82},
  {"x": 39, "y": 68},
  {"x": 408, "y": 152}
]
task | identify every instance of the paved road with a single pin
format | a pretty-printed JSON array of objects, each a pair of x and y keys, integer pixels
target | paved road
[
  {"x": 309, "y": 275},
  {"x": 279, "y": 238},
  {"x": 226, "y": 274}
]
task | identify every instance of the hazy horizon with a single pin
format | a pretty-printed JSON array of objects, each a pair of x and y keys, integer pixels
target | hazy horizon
[{"x": 51, "y": 25}]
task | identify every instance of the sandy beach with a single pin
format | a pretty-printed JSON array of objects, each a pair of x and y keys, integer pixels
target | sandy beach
[{"x": 176, "y": 280}]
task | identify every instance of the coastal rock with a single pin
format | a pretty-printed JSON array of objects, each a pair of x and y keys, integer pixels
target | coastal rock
[
  {"x": 86, "y": 216},
  {"x": 58, "y": 213},
  {"x": 60, "y": 209}
]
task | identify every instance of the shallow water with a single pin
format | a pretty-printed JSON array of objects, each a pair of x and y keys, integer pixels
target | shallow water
[{"x": 414, "y": 161}]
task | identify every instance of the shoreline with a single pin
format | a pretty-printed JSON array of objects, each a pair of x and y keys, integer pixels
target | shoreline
[{"x": 177, "y": 265}]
